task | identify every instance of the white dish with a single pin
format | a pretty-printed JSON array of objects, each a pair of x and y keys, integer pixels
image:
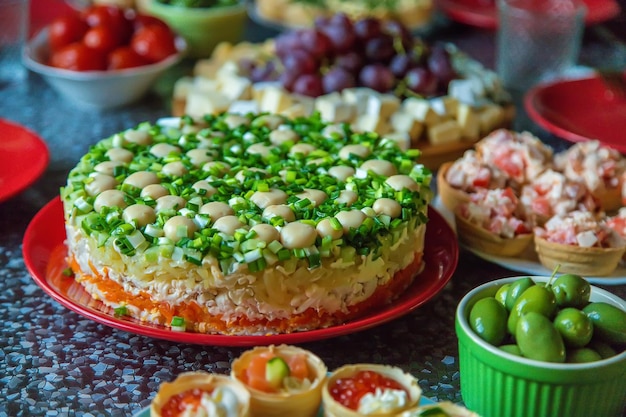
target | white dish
[
  {"x": 97, "y": 89},
  {"x": 528, "y": 262}
]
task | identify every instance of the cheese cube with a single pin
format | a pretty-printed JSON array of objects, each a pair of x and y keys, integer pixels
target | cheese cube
[
  {"x": 200, "y": 103},
  {"x": 307, "y": 103},
  {"x": 235, "y": 87},
  {"x": 469, "y": 122},
  {"x": 222, "y": 51},
  {"x": 401, "y": 138},
  {"x": 205, "y": 85},
  {"x": 382, "y": 105},
  {"x": 491, "y": 117},
  {"x": 295, "y": 110},
  {"x": 258, "y": 89},
  {"x": 371, "y": 123},
  {"x": 243, "y": 107},
  {"x": 404, "y": 122},
  {"x": 445, "y": 105},
  {"x": 448, "y": 131},
  {"x": 420, "y": 109},
  {"x": 275, "y": 100},
  {"x": 227, "y": 70},
  {"x": 469, "y": 90},
  {"x": 358, "y": 97},
  {"x": 182, "y": 87},
  {"x": 334, "y": 109},
  {"x": 206, "y": 68}
]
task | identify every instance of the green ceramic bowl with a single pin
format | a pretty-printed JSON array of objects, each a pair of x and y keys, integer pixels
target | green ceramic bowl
[
  {"x": 202, "y": 28},
  {"x": 495, "y": 383}
]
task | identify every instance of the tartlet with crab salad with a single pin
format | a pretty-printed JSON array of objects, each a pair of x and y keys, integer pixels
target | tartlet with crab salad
[
  {"x": 494, "y": 222},
  {"x": 252, "y": 224},
  {"x": 600, "y": 168},
  {"x": 581, "y": 243}
]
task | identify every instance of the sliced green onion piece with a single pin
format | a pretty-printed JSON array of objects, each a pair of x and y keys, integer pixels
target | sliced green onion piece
[
  {"x": 178, "y": 324},
  {"x": 120, "y": 311}
]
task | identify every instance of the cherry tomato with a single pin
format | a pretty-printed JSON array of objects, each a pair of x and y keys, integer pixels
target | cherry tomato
[
  {"x": 78, "y": 57},
  {"x": 111, "y": 16},
  {"x": 154, "y": 43},
  {"x": 142, "y": 20},
  {"x": 65, "y": 30},
  {"x": 124, "y": 57},
  {"x": 102, "y": 38}
]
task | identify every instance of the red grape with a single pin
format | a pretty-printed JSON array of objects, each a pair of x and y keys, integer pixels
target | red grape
[
  {"x": 308, "y": 85},
  {"x": 400, "y": 64},
  {"x": 367, "y": 28},
  {"x": 440, "y": 65},
  {"x": 379, "y": 49},
  {"x": 421, "y": 81},
  {"x": 377, "y": 77},
  {"x": 351, "y": 61},
  {"x": 337, "y": 79},
  {"x": 341, "y": 19},
  {"x": 287, "y": 42},
  {"x": 342, "y": 38},
  {"x": 287, "y": 79},
  {"x": 398, "y": 30},
  {"x": 299, "y": 62},
  {"x": 264, "y": 72},
  {"x": 315, "y": 42}
]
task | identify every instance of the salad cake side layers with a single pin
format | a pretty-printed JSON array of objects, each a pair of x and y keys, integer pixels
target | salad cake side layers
[{"x": 254, "y": 224}]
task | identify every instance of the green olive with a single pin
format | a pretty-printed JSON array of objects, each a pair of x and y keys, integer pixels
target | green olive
[
  {"x": 488, "y": 319},
  {"x": 536, "y": 298},
  {"x": 605, "y": 350},
  {"x": 517, "y": 288},
  {"x": 582, "y": 355},
  {"x": 574, "y": 326},
  {"x": 512, "y": 349},
  {"x": 571, "y": 290},
  {"x": 502, "y": 293},
  {"x": 609, "y": 322},
  {"x": 538, "y": 339}
]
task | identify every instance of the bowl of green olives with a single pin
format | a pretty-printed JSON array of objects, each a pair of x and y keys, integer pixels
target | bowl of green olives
[{"x": 532, "y": 346}]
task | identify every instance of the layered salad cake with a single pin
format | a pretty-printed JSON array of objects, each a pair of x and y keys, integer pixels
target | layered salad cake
[{"x": 246, "y": 224}]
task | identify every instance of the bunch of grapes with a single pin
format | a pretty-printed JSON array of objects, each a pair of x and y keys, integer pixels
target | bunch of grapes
[{"x": 338, "y": 53}]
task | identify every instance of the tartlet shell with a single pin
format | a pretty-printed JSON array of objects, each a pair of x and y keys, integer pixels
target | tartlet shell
[
  {"x": 578, "y": 260},
  {"x": 334, "y": 409},
  {"x": 450, "y": 197},
  {"x": 448, "y": 407},
  {"x": 304, "y": 403},
  {"x": 476, "y": 237},
  {"x": 204, "y": 380}
]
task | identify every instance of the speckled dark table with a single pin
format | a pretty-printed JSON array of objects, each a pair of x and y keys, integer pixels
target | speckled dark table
[{"x": 56, "y": 362}]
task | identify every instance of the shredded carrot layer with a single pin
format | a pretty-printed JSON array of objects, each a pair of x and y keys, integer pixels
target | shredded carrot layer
[{"x": 205, "y": 322}]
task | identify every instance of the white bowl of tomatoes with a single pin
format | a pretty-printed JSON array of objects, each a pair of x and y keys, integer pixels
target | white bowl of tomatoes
[{"x": 104, "y": 56}]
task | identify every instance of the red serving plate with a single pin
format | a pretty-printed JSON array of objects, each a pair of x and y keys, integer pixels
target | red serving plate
[
  {"x": 24, "y": 157},
  {"x": 44, "y": 255},
  {"x": 579, "y": 110},
  {"x": 483, "y": 13}
]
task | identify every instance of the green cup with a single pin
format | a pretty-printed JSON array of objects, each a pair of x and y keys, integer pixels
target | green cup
[
  {"x": 495, "y": 383},
  {"x": 202, "y": 28}
]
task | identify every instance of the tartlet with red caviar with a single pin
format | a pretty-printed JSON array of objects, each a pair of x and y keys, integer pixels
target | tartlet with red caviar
[
  {"x": 200, "y": 393},
  {"x": 369, "y": 389}
]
